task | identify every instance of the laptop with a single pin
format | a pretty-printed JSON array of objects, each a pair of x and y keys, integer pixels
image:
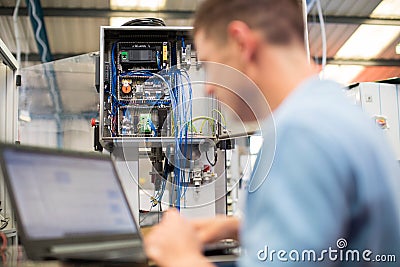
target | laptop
[{"x": 70, "y": 206}]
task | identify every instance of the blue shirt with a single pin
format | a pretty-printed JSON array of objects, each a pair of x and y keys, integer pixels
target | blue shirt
[{"x": 332, "y": 192}]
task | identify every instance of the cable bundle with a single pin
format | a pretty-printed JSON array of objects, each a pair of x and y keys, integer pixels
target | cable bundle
[
  {"x": 145, "y": 22},
  {"x": 181, "y": 100}
]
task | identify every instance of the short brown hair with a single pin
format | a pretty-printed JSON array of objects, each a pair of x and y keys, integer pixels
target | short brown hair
[{"x": 281, "y": 20}]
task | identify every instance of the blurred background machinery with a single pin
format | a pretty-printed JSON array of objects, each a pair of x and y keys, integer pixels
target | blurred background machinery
[{"x": 380, "y": 100}]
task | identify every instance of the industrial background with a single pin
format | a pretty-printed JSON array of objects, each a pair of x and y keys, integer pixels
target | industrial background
[
  {"x": 73, "y": 28},
  {"x": 59, "y": 103}
]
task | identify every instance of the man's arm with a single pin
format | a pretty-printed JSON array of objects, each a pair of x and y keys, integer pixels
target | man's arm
[
  {"x": 215, "y": 229},
  {"x": 174, "y": 243}
]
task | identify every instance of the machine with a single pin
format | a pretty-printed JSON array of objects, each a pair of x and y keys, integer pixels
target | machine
[
  {"x": 157, "y": 123},
  {"x": 380, "y": 100}
]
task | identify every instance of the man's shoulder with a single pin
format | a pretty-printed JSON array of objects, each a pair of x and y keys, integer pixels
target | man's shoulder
[{"x": 321, "y": 108}]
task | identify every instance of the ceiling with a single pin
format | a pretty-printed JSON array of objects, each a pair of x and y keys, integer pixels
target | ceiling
[{"x": 73, "y": 29}]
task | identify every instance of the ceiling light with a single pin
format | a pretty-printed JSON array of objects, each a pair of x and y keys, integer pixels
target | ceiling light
[
  {"x": 137, "y": 4},
  {"x": 344, "y": 74},
  {"x": 387, "y": 9},
  {"x": 368, "y": 41}
]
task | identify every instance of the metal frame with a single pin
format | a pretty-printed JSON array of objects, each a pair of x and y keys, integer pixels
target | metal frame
[
  {"x": 379, "y": 62},
  {"x": 8, "y": 125},
  {"x": 7, "y": 57}
]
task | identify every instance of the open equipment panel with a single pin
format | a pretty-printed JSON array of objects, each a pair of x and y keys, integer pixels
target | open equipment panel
[
  {"x": 142, "y": 76},
  {"x": 147, "y": 111}
]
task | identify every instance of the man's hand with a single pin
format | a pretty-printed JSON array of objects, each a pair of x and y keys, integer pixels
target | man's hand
[
  {"x": 174, "y": 243},
  {"x": 216, "y": 229}
]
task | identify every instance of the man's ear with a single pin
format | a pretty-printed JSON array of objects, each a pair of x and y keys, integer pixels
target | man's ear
[{"x": 245, "y": 38}]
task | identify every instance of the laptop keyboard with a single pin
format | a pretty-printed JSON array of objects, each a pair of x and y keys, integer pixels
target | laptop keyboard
[{"x": 93, "y": 247}]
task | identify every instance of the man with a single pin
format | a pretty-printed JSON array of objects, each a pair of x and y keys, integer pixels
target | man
[{"x": 334, "y": 184}]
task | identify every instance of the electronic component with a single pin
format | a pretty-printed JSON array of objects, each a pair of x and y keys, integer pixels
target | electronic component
[
  {"x": 199, "y": 177},
  {"x": 143, "y": 55},
  {"x": 186, "y": 59},
  {"x": 138, "y": 56},
  {"x": 165, "y": 54},
  {"x": 143, "y": 121},
  {"x": 126, "y": 86},
  {"x": 139, "y": 83}
]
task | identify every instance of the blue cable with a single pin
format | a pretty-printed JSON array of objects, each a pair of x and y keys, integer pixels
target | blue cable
[
  {"x": 114, "y": 99},
  {"x": 185, "y": 117},
  {"x": 152, "y": 126},
  {"x": 137, "y": 73},
  {"x": 183, "y": 43},
  {"x": 181, "y": 104},
  {"x": 113, "y": 78},
  {"x": 184, "y": 132},
  {"x": 158, "y": 55}
]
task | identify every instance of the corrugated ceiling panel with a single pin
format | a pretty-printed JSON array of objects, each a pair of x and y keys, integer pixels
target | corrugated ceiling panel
[
  {"x": 337, "y": 35},
  {"x": 63, "y": 3},
  {"x": 10, "y": 3},
  {"x": 74, "y": 35},
  {"x": 359, "y": 8},
  {"x": 178, "y": 22},
  {"x": 371, "y": 74},
  {"x": 181, "y": 4},
  {"x": 381, "y": 73},
  {"x": 76, "y": 3},
  {"x": 330, "y": 7},
  {"x": 390, "y": 51},
  {"x": 67, "y": 35},
  {"x": 28, "y": 44}
]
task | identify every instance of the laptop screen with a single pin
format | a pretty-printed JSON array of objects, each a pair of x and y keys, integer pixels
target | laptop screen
[{"x": 59, "y": 195}]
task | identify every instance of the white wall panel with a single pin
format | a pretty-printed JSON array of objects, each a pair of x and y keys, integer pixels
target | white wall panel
[
  {"x": 379, "y": 99},
  {"x": 390, "y": 110},
  {"x": 370, "y": 98}
]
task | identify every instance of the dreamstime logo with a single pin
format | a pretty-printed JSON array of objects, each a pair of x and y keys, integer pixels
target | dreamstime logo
[
  {"x": 340, "y": 253},
  {"x": 341, "y": 243}
]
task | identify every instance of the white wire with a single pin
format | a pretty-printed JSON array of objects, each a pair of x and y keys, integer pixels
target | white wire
[
  {"x": 306, "y": 40},
  {"x": 310, "y": 6},
  {"x": 16, "y": 31},
  {"x": 323, "y": 37}
]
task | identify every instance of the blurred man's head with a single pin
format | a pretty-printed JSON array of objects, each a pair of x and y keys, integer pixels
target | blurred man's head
[
  {"x": 256, "y": 37},
  {"x": 279, "y": 21}
]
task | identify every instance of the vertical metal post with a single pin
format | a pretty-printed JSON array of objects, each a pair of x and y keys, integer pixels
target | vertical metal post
[{"x": 127, "y": 164}]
